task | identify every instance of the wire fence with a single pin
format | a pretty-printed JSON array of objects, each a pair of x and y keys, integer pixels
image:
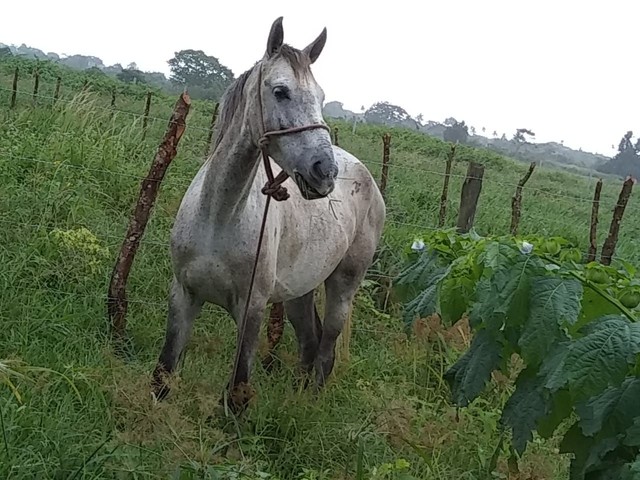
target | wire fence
[{"x": 398, "y": 216}]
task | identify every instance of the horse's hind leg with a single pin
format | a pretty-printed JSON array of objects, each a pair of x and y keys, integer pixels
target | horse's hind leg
[
  {"x": 340, "y": 288},
  {"x": 303, "y": 315},
  {"x": 183, "y": 308}
]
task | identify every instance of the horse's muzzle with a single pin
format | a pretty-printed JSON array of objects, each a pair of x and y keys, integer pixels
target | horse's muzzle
[{"x": 311, "y": 193}]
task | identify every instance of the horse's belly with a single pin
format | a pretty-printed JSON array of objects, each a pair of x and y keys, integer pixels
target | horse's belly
[{"x": 301, "y": 271}]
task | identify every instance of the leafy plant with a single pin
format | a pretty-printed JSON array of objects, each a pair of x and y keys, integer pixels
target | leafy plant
[{"x": 572, "y": 324}]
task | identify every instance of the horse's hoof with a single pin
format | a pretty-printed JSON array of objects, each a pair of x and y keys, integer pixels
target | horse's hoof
[
  {"x": 159, "y": 386},
  {"x": 269, "y": 363},
  {"x": 238, "y": 398}
]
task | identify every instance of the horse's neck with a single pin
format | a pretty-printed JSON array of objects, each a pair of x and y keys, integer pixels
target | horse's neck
[{"x": 229, "y": 175}]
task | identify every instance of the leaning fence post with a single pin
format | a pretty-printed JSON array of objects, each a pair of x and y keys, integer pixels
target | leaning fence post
[
  {"x": 36, "y": 85},
  {"x": 113, "y": 97},
  {"x": 145, "y": 118},
  {"x": 469, "y": 197},
  {"x": 14, "y": 93},
  {"x": 167, "y": 150},
  {"x": 335, "y": 136},
  {"x": 386, "y": 146},
  {"x": 593, "y": 231},
  {"x": 214, "y": 117},
  {"x": 445, "y": 186},
  {"x": 609, "y": 246},
  {"x": 56, "y": 93},
  {"x": 516, "y": 200}
]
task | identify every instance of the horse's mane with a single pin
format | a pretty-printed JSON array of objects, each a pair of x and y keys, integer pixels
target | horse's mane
[{"x": 234, "y": 94}]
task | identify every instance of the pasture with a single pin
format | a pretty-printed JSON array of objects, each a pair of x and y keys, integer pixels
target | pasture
[{"x": 69, "y": 176}]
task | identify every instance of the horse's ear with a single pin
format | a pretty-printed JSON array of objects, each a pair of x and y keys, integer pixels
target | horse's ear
[
  {"x": 276, "y": 37},
  {"x": 314, "y": 49}
]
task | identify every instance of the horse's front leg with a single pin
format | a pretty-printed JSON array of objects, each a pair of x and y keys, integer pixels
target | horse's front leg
[{"x": 240, "y": 391}]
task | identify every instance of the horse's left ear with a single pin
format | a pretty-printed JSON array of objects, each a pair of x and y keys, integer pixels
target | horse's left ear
[
  {"x": 276, "y": 37},
  {"x": 314, "y": 49}
]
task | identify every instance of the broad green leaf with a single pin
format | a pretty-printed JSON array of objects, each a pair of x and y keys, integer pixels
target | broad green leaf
[
  {"x": 421, "y": 306},
  {"x": 453, "y": 298},
  {"x": 599, "y": 359},
  {"x": 495, "y": 293},
  {"x": 468, "y": 376},
  {"x": 632, "y": 435},
  {"x": 553, "y": 367},
  {"x": 554, "y": 303},
  {"x": 561, "y": 408},
  {"x": 524, "y": 408},
  {"x": 614, "y": 408},
  {"x": 593, "y": 307},
  {"x": 588, "y": 451}
]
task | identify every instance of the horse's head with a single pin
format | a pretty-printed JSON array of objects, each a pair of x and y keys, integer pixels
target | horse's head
[{"x": 291, "y": 98}]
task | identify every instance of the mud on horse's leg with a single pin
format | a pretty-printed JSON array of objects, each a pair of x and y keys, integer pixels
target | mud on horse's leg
[{"x": 275, "y": 329}]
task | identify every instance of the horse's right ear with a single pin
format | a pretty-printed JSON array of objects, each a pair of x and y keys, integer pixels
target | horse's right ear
[{"x": 276, "y": 37}]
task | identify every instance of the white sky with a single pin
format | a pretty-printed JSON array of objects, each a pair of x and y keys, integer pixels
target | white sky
[{"x": 564, "y": 69}]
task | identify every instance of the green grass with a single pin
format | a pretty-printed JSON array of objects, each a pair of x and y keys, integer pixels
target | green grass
[{"x": 75, "y": 166}]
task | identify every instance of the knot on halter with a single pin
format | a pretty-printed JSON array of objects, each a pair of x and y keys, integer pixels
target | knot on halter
[
  {"x": 263, "y": 142},
  {"x": 274, "y": 188}
]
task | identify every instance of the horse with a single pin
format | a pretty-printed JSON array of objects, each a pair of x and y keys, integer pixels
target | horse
[{"x": 325, "y": 229}]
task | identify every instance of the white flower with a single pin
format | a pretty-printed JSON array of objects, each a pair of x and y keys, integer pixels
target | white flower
[
  {"x": 526, "y": 248},
  {"x": 417, "y": 245}
]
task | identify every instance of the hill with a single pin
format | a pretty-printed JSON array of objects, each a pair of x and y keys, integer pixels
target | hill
[{"x": 383, "y": 113}]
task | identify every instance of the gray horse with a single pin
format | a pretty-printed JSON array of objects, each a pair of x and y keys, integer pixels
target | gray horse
[{"x": 326, "y": 231}]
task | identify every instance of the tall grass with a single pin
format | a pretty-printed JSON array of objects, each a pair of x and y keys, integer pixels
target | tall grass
[{"x": 70, "y": 174}]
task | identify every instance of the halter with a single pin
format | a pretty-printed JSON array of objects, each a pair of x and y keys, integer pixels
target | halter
[{"x": 273, "y": 188}]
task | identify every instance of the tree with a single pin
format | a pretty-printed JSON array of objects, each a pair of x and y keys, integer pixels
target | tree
[
  {"x": 472, "y": 130},
  {"x": 519, "y": 136},
  {"x": 420, "y": 119},
  {"x": 194, "y": 68},
  {"x": 484, "y": 129},
  {"x": 389, "y": 114},
  {"x": 456, "y": 133},
  {"x": 625, "y": 142},
  {"x": 627, "y": 160},
  {"x": 131, "y": 76},
  {"x": 495, "y": 134},
  {"x": 449, "y": 122}
]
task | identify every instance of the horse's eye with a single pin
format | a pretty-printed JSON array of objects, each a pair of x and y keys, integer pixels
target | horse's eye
[{"x": 281, "y": 93}]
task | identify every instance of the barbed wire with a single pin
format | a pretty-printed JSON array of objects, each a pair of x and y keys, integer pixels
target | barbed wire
[
  {"x": 164, "y": 305},
  {"x": 393, "y": 165},
  {"x": 101, "y": 107},
  {"x": 169, "y": 181}
]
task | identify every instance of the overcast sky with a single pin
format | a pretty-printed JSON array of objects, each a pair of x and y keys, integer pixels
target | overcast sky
[{"x": 564, "y": 69}]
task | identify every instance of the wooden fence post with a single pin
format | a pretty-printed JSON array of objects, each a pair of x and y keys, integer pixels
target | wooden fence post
[
  {"x": 469, "y": 197},
  {"x": 335, "y": 136},
  {"x": 593, "y": 246},
  {"x": 113, "y": 97},
  {"x": 445, "y": 186},
  {"x": 145, "y": 118},
  {"x": 36, "y": 85},
  {"x": 609, "y": 246},
  {"x": 167, "y": 150},
  {"x": 516, "y": 200},
  {"x": 14, "y": 93},
  {"x": 214, "y": 117},
  {"x": 275, "y": 329},
  {"x": 56, "y": 93},
  {"x": 386, "y": 146}
]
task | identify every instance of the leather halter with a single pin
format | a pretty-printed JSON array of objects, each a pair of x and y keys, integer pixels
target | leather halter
[{"x": 273, "y": 188}]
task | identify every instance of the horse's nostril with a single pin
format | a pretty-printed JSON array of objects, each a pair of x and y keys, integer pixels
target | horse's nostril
[{"x": 317, "y": 169}]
